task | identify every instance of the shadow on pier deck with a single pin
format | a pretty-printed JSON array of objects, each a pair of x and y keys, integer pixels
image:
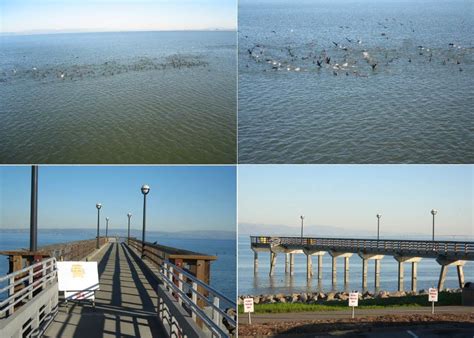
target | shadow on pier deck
[{"x": 125, "y": 304}]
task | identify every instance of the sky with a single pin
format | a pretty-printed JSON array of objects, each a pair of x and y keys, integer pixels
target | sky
[
  {"x": 350, "y": 196},
  {"x": 47, "y": 16},
  {"x": 181, "y": 198}
]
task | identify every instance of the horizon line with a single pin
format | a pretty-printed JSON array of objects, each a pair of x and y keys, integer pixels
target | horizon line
[{"x": 84, "y": 31}]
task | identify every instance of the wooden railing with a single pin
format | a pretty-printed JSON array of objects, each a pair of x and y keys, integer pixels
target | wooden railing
[{"x": 429, "y": 248}]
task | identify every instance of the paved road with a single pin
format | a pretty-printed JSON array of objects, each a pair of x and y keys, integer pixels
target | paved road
[
  {"x": 301, "y": 316},
  {"x": 125, "y": 304}
]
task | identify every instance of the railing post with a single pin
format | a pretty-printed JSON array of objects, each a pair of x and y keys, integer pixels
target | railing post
[
  {"x": 215, "y": 314},
  {"x": 180, "y": 286},
  {"x": 11, "y": 291},
  {"x": 30, "y": 282},
  {"x": 194, "y": 299}
]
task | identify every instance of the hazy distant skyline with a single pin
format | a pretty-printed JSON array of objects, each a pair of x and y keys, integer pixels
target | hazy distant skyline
[
  {"x": 350, "y": 196},
  {"x": 53, "y": 16},
  {"x": 186, "y": 198}
]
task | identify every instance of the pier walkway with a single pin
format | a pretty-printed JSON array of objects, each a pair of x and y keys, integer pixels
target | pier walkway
[
  {"x": 146, "y": 290},
  {"x": 125, "y": 305}
]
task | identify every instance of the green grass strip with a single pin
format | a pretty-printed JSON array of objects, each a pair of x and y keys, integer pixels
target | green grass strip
[{"x": 444, "y": 299}]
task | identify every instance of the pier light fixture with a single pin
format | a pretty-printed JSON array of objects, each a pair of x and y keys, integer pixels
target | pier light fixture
[
  {"x": 106, "y": 226},
  {"x": 98, "y": 206},
  {"x": 302, "y": 225},
  {"x": 129, "y": 215},
  {"x": 433, "y": 212},
  {"x": 145, "y": 190},
  {"x": 379, "y": 216}
]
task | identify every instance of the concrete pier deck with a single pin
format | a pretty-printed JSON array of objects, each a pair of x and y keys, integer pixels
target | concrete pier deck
[{"x": 125, "y": 304}]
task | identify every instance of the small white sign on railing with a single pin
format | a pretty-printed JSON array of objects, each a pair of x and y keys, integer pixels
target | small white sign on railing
[
  {"x": 432, "y": 297},
  {"x": 353, "y": 301},
  {"x": 248, "y": 307}
]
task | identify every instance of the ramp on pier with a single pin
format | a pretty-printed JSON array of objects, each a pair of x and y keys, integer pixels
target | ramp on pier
[{"x": 125, "y": 305}]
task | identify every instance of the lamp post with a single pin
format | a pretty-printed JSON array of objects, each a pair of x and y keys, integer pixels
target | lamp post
[
  {"x": 433, "y": 212},
  {"x": 302, "y": 225},
  {"x": 98, "y": 206},
  {"x": 106, "y": 226},
  {"x": 379, "y": 216},
  {"x": 129, "y": 215},
  {"x": 145, "y": 190},
  {"x": 34, "y": 209}
]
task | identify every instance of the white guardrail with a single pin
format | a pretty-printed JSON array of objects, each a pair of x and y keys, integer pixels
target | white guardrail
[
  {"x": 22, "y": 310},
  {"x": 217, "y": 312}
]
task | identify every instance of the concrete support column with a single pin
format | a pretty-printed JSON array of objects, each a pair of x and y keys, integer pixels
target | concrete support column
[
  {"x": 377, "y": 274},
  {"x": 442, "y": 277},
  {"x": 460, "y": 276},
  {"x": 309, "y": 267},
  {"x": 255, "y": 261},
  {"x": 364, "y": 273},
  {"x": 334, "y": 271},
  {"x": 320, "y": 267},
  {"x": 272, "y": 262},
  {"x": 287, "y": 262},
  {"x": 292, "y": 264},
  {"x": 346, "y": 270},
  {"x": 414, "y": 267},
  {"x": 400, "y": 276}
]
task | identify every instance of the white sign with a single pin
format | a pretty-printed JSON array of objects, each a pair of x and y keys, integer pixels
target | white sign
[
  {"x": 248, "y": 305},
  {"x": 432, "y": 295},
  {"x": 78, "y": 276},
  {"x": 353, "y": 299}
]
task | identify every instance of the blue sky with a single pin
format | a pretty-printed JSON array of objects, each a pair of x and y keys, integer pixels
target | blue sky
[
  {"x": 181, "y": 198},
  {"x": 27, "y": 16},
  {"x": 351, "y": 196}
]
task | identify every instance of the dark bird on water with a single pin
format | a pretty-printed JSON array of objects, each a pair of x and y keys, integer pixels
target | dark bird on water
[
  {"x": 373, "y": 66},
  {"x": 349, "y": 40},
  {"x": 327, "y": 59},
  {"x": 319, "y": 63},
  {"x": 335, "y": 43}
]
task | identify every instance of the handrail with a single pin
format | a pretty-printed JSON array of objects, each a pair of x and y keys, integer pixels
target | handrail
[
  {"x": 184, "y": 287},
  {"x": 444, "y": 247},
  {"x": 46, "y": 269}
]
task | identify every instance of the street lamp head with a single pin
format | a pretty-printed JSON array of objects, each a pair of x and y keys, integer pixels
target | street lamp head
[
  {"x": 379, "y": 216},
  {"x": 434, "y": 211},
  {"x": 145, "y": 189},
  {"x": 302, "y": 216},
  {"x": 98, "y": 205},
  {"x": 107, "y": 219},
  {"x": 129, "y": 215}
]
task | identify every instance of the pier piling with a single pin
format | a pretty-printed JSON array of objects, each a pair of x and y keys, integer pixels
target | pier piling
[
  {"x": 364, "y": 273},
  {"x": 309, "y": 266},
  {"x": 255, "y": 261},
  {"x": 400, "y": 275},
  {"x": 272, "y": 262},
  {"x": 377, "y": 274},
  {"x": 334, "y": 271},
  {"x": 414, "y": 267},
  {"x": 287, "y": 262},
  {"x": 292, "y": 264},
  {"x": 320, "y": 267},
  {"x": 346, "y": 270}
]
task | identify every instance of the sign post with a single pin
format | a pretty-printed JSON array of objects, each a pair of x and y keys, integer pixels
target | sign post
[
  {"x": 432, "y": 297},
  {"x": 248, "y": 307},
  {"x": 353, "y": 301}
]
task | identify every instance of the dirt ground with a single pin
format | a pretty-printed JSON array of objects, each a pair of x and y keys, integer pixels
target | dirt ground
[{"x": 449, "y": 322}]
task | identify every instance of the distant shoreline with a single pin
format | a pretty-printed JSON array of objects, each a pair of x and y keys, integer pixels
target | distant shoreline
[{"x": 6, "y": 34}]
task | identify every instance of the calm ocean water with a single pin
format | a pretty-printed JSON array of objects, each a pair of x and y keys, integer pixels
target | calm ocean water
[
  {"x": 136, "y": 97},
  {"x": 250, "y": 284},
  {"x": 223, "y": 270},
  {"x": 414, "y": 106}
]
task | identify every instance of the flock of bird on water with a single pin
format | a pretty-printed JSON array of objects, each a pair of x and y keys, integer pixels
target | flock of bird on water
[
  {"x": 109, "y": 68},
  {"x": 349, "y": 56}
]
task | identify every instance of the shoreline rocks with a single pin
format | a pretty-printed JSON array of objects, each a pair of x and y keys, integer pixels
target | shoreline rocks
[{"x": 321, "y": 297}]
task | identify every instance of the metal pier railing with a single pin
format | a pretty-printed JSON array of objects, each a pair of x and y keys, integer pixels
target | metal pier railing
[
  {"x": 208, "y": 307},
  {"x": 20, "y": 315}
]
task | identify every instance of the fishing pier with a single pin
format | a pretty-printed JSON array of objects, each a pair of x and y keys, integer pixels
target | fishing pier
[
  {"x": 146, "y": 290},
  {"x": 446, "y": 253}
]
